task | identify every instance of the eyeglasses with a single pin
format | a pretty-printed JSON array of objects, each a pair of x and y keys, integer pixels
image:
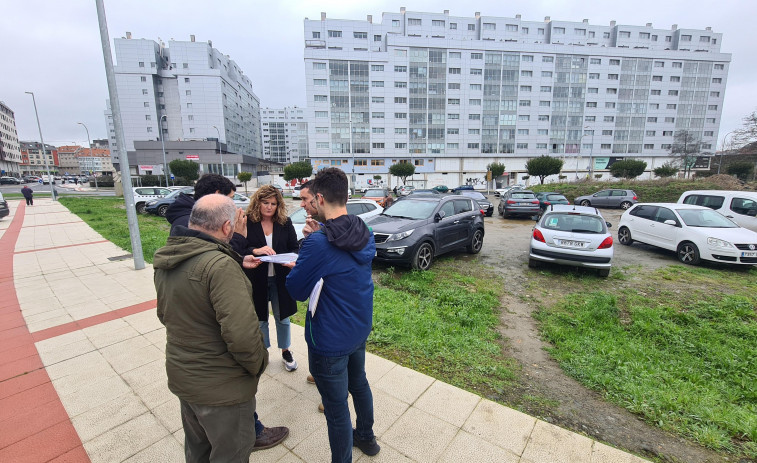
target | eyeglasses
[{"x": 314, "y": 198}]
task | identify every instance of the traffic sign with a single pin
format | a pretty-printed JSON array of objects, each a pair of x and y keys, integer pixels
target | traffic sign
[
  {"x": 172, "y": 177},
  {"x": 40, "y": 181}
]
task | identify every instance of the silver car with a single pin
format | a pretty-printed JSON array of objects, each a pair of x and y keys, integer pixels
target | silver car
[
  {"x": 608, "y": 198},
  {"x": 518, "y": 202}
]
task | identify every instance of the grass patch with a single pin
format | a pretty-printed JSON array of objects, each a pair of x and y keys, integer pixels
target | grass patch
[
  {"x": 107, "y": 216},
  {"x": 685, "y": 360}
]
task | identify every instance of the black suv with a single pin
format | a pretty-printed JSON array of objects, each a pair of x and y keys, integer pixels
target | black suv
[
  {"x": 418, "y": 228},
  {"x": 483, "y": 203}
]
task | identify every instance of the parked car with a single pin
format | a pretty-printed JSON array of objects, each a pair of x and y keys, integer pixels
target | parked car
[
  {"x": 518, "y": 202},
  {"x": 484, "y": 204},
  {"x": 608, "y": 198},
  {"x": 549, "y": 198},
  {"x": 159, "y": 206},
  {"x": 572, "y": 235},
  {"x": 296, "y": 192},
  {"x": 695, "y": 233},
  {"x": 363, "y": 208},
  {"x": 441, "y": 188},
  {"x": 500, "y": 191},
  {"x": 405, "y": 190},
  {"x": 419, "y": 191},
  {"x": 381, "y": 195},
  {"x": 4, "y": 209},
  {"x": 461, "y": 188},
  {"x": 10, "y": 181},
  {"x": 417, "y": 229},
  {"x": 144, "y": 194},
  {"x": 739, "y": 206},
  {"x": 241, "y": 200}
]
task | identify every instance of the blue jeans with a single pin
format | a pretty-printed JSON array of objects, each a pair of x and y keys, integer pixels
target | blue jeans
[
  {"x": 283, "y": 331},
  {"x": 334, "y": 377}
]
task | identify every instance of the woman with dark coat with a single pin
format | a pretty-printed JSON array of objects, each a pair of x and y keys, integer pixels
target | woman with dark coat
[{"x": 269, "y": 232}]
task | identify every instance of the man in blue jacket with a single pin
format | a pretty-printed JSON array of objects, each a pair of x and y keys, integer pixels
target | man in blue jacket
[{"x": 340, "y": 253}]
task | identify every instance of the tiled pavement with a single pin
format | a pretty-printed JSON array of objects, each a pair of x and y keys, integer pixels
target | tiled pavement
[{"x": 82, "y": 374}]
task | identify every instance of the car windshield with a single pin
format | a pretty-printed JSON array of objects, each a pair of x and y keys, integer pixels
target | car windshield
[
  {"x": 704, "y": 218},
  {"x": 473, "y": 194},
  {"x": 522, "y": 195},
  {"x": 299, "y": 215},
  {"x": 411, "y": 209},
  {"x": 375, "y": 193},
  {"x": 556, "y": 198},
  {"x": 573, "y": 223}
]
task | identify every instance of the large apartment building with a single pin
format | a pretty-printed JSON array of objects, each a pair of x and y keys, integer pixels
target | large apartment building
[
  {"x": 188, "y": 90},
  {"x": 35, "y": 161},
  {"x": 453, "y": 94},
  {"x": 285, "y": 134},
  {"x": 10, "y": 150}
]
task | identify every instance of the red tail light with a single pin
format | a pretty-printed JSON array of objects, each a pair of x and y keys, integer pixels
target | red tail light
[
  {"x": 635, "y": 198},
  {"x": 510, "y": 201},
  {"x": 535, "y": 201},
  {"x": 547, "y": 203},
  {"x": 607, "y": 243},
  {"x": 539, "y": 237}
]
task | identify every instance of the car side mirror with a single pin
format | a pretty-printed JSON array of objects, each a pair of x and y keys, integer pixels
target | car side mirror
[
  {"x": 670, "y": 222},
  {"x": 439, "y": 216},
  {"x": 609, "y": 225}
]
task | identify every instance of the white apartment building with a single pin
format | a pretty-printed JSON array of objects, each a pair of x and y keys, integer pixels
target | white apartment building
[
  {"x": 285, "y": 134},
  {"x": 10, "y": 149},
  {"x": 188, "y": 90},
  {"x": 453, "y": 94}
]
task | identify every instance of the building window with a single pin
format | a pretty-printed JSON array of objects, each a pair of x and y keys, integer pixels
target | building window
[
  {"x": 592, "y": 90},
  {"x": 475, "y": 87},
  {"x": 360, "y": 35},
  {"x": 667, "y": 133},
  {"x": 472, "y": 146},
  {"x": 399, "y": 99},
  {"x": 714, "y": 94},
  {"x": 525, "y": 88},
  {"x": 709, "y": 133},
  {"x": 144, "y": 91},
  {"x": 490, "y": 26},
  {"x": 670, "y": 119},
  {"x": 476, "y": 72},
  {"x": 648, "y": 146},
  {"x": 190, "y": 117},
  {"x": 147, "y": 104},
  {"x": 522, "y": 131},
  {"x": 335, "y": 34},
  {"x": 321, "y": 114},
  {"x": 454, "y": 70},
  {"x": 607, "y": 132},
  {"x": 595, "y": 61},
  {"x": 609, "y": 105},
  {"x": 543, "y": 117},
  {"x": 558, "y": 30},
  {"x": 377, "y": 162},
  {"x": 400, "y": 115},
  {"x": 455, "y": 55},
  {"x": 685, "y": 38},
  {"x": 453, "y": 116},
  {"x": 651, "y": 119},
  {"x": 319, "y": 66},
  {"x": 593, "y": 75},
  {"x": 316, "y": 35},
  {"x": 453, "y": 146},
  {"x": 400, "y": 84},
  {"x": 377, "y": 130},
  {"x": 591, "y": 104},
  {"x": 659, "y": 64},
  {"x": 644, "y": 35},
  {"x": 471, "y": 27},
  {"x": 400, "y": 68},
  {"x": 377, "y": 83},
  {"x": 524, "y": 117},
  {"x": 141, "y": 64},
  {"x": 545, "y": 89},
  {"x": 544, "y": 104},
  {"x": 612, "y": 91},
  {"x": 476, "y": 56},
  {"x": 614, "y": 62},
  {"x": 413, "y": 22},
  {"x": 149, "y": 129},
  {"x": 321, "y": 130},
  {"x": 377, "y": 115},
  {"x": 547, "y": 59},
  {"x": 579, "y": 31},
  {"x": 474, "y": 117},
  {"x": 511, "y": 27},
  {"x": 526, "y": 73},
  {"x": 719, "y": 67},
  {"x": 542, "y": 132},
  {"x": 612, "y": 76},
  {"x": 609, "y": 119},
  {"x": 320, "y": 98},
  {"x": 377, "y": 146},
  {"x": 453, "y": 101},
  {"x": 377, "y": 67},
  {"x": 400, "y": 130},
  {"x": 546, "y": 73},
  {"x": 319, "y": 82},
  {"x": 710, "y": 120},
  {"x": 453, "y": 26},
  {"x": 675, "y": 78},
  {"x": 522, "y": 146},
  {"x": 712, "y": 107},
  {"x": 377, "y": 38},
  {"x": 590, "y": 118},
  {"x": 717, "y": 80},
  {"x": 143, "y": 79},
  {"x": 185, "y": 65},
  {"x": 624, "y": 34},
  {"x": 524, "y": 103},
  {"x": 527, "y": 58}
]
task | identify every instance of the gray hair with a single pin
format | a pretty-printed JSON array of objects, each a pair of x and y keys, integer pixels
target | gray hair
[{"x": 211, "y": 212}]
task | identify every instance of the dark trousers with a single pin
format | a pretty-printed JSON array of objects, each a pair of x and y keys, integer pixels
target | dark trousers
[
  {"x": 218, "y": 434},
  {"x": 29, "y": 202},
  {"x": 334, "y": 378}
]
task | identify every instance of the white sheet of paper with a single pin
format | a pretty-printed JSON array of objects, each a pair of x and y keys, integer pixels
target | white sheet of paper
[
  {"x": 280, "y": 258},
  {"x": 315, "y": 294}
]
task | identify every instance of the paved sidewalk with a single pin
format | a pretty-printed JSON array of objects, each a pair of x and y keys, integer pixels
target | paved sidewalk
[{"x": 82, "y": 374}]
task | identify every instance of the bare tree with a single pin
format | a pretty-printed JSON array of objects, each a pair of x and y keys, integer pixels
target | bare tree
[
  {"x": 686, "y": 147},
  {"x": 748, "y": 132}
]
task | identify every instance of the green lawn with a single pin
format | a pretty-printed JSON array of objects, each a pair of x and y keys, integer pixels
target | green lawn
[{"x": 684, "y": 358}]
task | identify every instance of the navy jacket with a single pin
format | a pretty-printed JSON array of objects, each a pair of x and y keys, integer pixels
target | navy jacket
[
  {"x": 178, "y": 214},
  {"x": 341, "y": 253}
]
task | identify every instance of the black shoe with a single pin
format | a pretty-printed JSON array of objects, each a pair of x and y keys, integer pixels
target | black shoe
[
  {"x": 368, "y": 447},
  {"x": 270, "y": 437}
]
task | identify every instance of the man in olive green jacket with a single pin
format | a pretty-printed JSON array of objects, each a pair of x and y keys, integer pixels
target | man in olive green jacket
[{"x": 214, "y": 351}]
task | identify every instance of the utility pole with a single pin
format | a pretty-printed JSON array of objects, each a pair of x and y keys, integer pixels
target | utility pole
[
  {"x": 44, "y": 152},
  {"x": 89, "y": 141}
]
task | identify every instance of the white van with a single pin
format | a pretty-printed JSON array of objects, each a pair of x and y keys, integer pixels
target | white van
[{"x": 739, "y": 206}]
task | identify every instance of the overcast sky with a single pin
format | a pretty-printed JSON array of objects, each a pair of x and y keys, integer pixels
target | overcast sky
[{"x": 53, "y": 48}]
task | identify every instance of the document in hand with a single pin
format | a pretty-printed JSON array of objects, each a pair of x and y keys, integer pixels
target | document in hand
[
  {"x": 314, "y": 295},
  {"x": 280, "y": 258}
]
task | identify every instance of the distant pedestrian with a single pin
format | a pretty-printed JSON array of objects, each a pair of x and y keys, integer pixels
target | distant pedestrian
[{"x": 28, "y": 195}]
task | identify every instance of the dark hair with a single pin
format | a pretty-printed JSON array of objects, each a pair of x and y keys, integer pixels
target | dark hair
[
  {"x": 331, "y": 183},
  {"x": 210, "y": 183},
  {"x": 308, "y": 185}
]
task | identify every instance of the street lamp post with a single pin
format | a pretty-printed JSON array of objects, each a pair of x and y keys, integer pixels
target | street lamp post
[
  {"x": 163, "y": 146},
  {"x": 44, "y": 153},
  {"x": 94, "y": 174},
  {"x": 722, "y": 149},
  {"x": 220, "y": 148}
]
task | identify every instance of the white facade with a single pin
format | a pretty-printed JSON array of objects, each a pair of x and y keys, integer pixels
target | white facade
[
  {"x": 10, "y": 149},
  {"x": 194, "y": 86},
  {"x": 285, "y": 134},
  {"x": 453, "y": 94}
]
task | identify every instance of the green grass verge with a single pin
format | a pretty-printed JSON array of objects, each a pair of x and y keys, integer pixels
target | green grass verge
[
  {"x": 107, "y": 216},
  {"x": 685, "y": 360}
]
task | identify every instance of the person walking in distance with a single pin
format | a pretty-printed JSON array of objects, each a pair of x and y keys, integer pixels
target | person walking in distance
[
  {"x": 214, "y": 349},
  {"x": 269, "y": 232},
  {"x": 337, "y": 260},
  {"x": 28, "y": 195}
]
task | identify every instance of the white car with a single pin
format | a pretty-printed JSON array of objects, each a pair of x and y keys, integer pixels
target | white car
[
  {"x": 143, "y": 194},
  {"x": 296, "y": 192},
  {"x": 363, "y": 208},
  {"x": 501, "y": 191},
  {"x": 241, "y": 200},
  {"x": 695, "y": 233},
  {"x": 739, "y": 206},
  {"x": 572, "y": 235}
]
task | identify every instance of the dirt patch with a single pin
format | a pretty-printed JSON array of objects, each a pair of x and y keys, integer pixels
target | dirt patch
[{"x": 545, "y": 390}]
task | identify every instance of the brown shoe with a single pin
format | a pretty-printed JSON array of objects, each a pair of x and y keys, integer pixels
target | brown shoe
[
  {"x": 311, "y": 380},
  {"x": 270, "y": 437},
  {"x": 320, "y": 408}
]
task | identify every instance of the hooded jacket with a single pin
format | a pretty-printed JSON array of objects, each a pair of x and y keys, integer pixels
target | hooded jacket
[
  {"x": 178, "y": 212},
  {"x": 341, "y": 253},
  {"x": 214, "y": 348}
]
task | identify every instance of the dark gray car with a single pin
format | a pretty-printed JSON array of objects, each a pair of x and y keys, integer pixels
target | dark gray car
[
  {"x": 483, "y": 203},
  {"x": 417, "y": 229},
  {"x": 608, "y": 198},
  {"x": 518, "y": 202}
]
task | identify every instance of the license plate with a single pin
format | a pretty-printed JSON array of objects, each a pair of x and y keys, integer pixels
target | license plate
[
  {"x": 749, "y": 254},
  {"x": 571, "y": 243}
]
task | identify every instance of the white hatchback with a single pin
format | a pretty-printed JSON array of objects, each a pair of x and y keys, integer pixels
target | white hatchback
[
  {"x": 572, "y": 235},
  {"x": 695, "y": 233},
  {"x": 363, "y": 208}
]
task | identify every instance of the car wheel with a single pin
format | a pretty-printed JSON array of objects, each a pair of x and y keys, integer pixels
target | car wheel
[
  {"x": 625, "y": 205},
  {"x": 533, "y": 263},
  {"x": 505, "y": 214},
  {"x": 604, "y": 273},
  {"x": 476, "y": 242},
  {"x": 423, "y": 257},
  {"x": 586, "y": 203},
  {"x": 162, "y": 210},
  {"x": 624, "y": 236},
  {"x": 140, "y": 208},
  {"x": 688, "y": 253}
]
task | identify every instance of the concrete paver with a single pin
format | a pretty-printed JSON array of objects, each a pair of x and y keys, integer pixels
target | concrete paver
[{"x": 82, "y": 373}]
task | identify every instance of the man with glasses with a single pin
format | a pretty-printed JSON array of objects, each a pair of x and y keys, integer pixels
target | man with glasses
[{"x": 308, "y": 203}]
